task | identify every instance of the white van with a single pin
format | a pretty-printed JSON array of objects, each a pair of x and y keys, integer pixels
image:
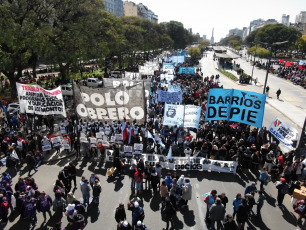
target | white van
[
  {"x": 67, "y": 90},
  {"x": 93, "y": 82},
  {"x": 116, "y": 74}
]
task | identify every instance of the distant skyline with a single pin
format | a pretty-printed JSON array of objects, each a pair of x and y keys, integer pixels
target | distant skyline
[{"x": 222, "y": 15}]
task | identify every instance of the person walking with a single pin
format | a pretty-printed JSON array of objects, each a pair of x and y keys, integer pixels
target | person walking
[
  {"x": 278, "y": 92},
  {"x": 209, "y": 199},
  {"x": 96, "y": 191},
  {"x": 282, "y": 188},
  {"x": 186, "y": 192},
  {"x": 217, "y": 212},
  {"x": 260, "y": 203},
  {"x": 72, "y": 174},
  {"x": 120, "y": 214},
  {"x": 267, "y": 91},
  {"x": 138, "y": 181},
  {"x": 85, "y": 189}
]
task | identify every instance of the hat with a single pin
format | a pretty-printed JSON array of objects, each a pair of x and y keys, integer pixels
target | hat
[
  {"x": 29, "y": 188},
  {"x": 125, "y": 224},
  {"x": 253, "y": 183},
  {"x": 139, "y": 223},
  {"x": 19, "y": 139},
  {"x": 136, "y": 204},
  {"x": 283, "y": 179}
]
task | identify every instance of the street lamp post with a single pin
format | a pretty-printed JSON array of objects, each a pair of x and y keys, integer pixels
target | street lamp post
[
  {"x": 253, "y": 63},
  {"x": 269, "y": 60}
]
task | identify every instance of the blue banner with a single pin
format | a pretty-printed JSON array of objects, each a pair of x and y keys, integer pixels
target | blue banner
[
  {"x": 178, "y": 59},
  {"x": 187, "y": 70},
  {"x": 174, "y": 115},
  {"x": 170, "y": 97},
  {"x": 174, "y": 88},
  {"x": 236, "y": 105}
]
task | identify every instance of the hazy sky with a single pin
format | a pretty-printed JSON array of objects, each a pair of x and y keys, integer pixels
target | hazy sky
[{"x": 223, "y": 15}]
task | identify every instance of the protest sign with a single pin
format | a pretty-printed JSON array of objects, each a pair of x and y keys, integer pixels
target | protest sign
[
  {"x": 56, "y": 142},
  {"x": 99, "y": 135},
  {"x": 83, "y": 138},
  {"x": 46, "y": 145},
  {"x": 178, "y": 59},
  {"x": 66, "y": 144},
  {"x": 192, "y": 116},
  {"x": 106, "y": 104},
  {"x": 236, "y": 105},
  {"x": 118, "y": 137},
  {"x": 174, "y": 88},
  {"x": 186, "y": 70},
  {"x": 174, "y": 115},
  {"x": 284, "y": 132},
  {"x": 93, "y": 142},
  {"x": 35, "y": 99},
  {"x": 170, "y": 97},
  {"x": 168, "y": 77}
]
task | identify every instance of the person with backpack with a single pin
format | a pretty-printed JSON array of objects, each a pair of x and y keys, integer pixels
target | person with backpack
[
  {"x": 169, "y": 212},
  {"x": 138, "y": 214},
  {"x": 44, "y": 203},
  {"x": 216, "y": 213},
  {"x": 282, "y": 188}
]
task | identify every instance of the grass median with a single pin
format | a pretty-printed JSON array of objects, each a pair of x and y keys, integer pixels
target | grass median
[{"x": 228, "y": 74}]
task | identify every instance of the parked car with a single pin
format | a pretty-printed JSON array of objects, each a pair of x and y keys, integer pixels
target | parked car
[{"x": 93, "y": 82}]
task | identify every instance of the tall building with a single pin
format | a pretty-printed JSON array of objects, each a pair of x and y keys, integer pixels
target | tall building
[
  {"x": 204, "y": 37},
  {"x": 285, "y": 19},
  {"x": 254, "y": 23},
  {"x": 114, "y": 6},
  {"x": 140, "y": 10},
  {"x": 212, "y": 40},
  {"x": 190, "y": 30},
  {"x": 301, "y": 17},
  {"x": 235, "y": 31}
]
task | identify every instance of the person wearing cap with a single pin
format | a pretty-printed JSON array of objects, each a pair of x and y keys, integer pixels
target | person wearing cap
[
  {"x": 282, "y": 188},
  {"x": 124, "y": 225},
  {"x": 44, "y": 203},
  {"x": 140, "y": 226},
  {"x": 137, "y": 214},
  {"x": 250, "y": 188},
  {"x": 216, "y": 213}
]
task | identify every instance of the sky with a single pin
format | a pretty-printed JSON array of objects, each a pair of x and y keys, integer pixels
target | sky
[{"x": 222, "y": 15}]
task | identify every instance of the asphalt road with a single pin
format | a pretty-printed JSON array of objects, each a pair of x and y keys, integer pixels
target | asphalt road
[{"x": 115, "y": 191}]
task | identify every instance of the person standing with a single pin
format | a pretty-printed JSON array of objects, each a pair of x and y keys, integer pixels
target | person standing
[
  {"x": 85, "y": 189},
  {"x": 278, "y": 92},
  {"x": 30, "y": 210},
  {"x": 120, "y": 214},
  {"x": 72, "y": 174},
  {"x": 260, "y": 203},
  {"x": 186, "y": 192},
  {"x": 282, "y": 188},
  {"x": 96, "y": 191},
  {"x": 169, "y": 213},
  {"x": 242, "y": 214},
  {"x": 163, "y": 192},
  {"x": 44, "y": 203},
  {"x": 209, "y": 199},
  {"x": 230, "y": 223},
  {"x": 137, "y": 214},
  {"x": 263, "y": 177},
  {"x": 217, "y": 212},
  {"x": 224, "y": 199},
  {"x": 236, "y": 202},
  {"x": 138, "y": 179}
]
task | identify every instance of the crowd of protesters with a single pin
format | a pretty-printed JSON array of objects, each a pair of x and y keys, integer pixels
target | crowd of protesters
[{"x": 22, "y": 137}]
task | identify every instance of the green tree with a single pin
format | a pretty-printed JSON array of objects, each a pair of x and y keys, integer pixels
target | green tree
[
  {"x": 22, "y": 38},
  {"x": 226, "y": 41},
  {"x": 302, "y": 44},
  {"x": 194, "y": 52},
  {"x": 274, "y": 33},
  {"x": 203, "y": 44}
]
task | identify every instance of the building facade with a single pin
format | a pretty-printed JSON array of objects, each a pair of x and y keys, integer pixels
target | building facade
[
  {"x": 301, "y": 17},
  {"x": 114, "y": 6},
  {"x": 131, "y": 9},
  {"x": 285, "y": 20}
]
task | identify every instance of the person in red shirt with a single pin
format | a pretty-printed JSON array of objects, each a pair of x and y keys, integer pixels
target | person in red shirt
[{"x": 138, "y": 179}]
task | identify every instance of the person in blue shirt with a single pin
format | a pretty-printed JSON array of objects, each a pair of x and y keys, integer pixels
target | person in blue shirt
[
  {"x": 250, "y": 188},
  {"x": 168, "y": 180},
  {"x": 236, "y": 202}
]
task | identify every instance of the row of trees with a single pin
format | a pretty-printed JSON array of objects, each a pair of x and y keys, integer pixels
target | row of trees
[
  {"x": 267, "y": 37},
  {"x": 66, "y": 32}
]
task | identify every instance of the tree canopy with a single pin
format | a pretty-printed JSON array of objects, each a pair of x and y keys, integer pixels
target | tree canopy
[{"x": 226, "y": 41}]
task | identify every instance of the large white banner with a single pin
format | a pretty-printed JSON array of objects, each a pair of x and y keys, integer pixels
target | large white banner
[
  {"x": 192, "y": 116},
  {"x": 35, "y": 99},
  {"x": 283, "y": 132}
]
